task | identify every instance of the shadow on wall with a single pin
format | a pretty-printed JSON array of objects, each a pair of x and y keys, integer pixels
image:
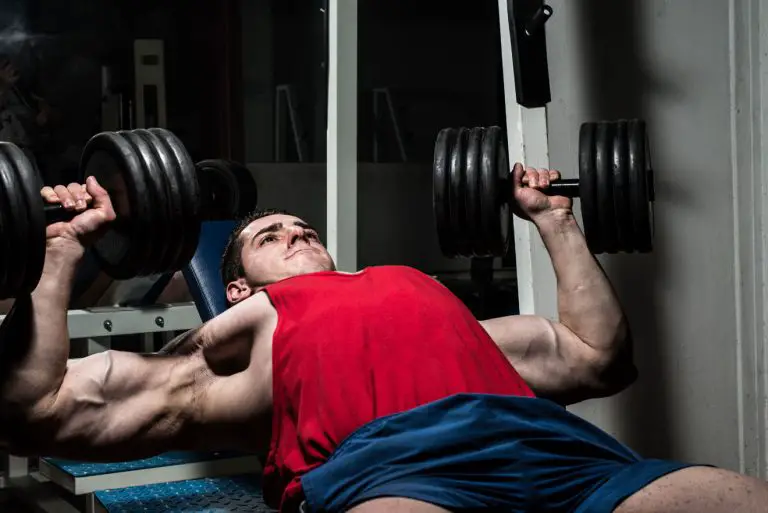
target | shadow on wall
[{"x": 617, "y": 81}]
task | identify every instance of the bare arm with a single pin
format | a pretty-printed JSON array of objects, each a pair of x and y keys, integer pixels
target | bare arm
[
  {"x": 588, "y": 353},
  {"x": 117, "y": 405}
]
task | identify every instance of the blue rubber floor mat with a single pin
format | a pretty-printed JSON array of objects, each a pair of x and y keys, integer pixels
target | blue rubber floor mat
[{"x": 211, "y": 495}]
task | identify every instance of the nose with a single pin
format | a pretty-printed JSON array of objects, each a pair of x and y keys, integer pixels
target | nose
[{"x": 295, "y": 234}]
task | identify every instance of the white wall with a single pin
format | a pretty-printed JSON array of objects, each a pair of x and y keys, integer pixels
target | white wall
[{"x": 671, "y": 63}]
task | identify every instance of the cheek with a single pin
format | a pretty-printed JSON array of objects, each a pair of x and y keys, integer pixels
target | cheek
[
  {"x": 261, "y": 263},
  {"x": 253, "y": 266}
]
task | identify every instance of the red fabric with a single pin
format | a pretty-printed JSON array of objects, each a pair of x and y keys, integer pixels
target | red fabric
[{"x": 350, "y": 348}]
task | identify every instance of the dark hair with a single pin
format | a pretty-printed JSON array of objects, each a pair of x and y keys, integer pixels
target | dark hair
[{"x": 232, "y": 261}]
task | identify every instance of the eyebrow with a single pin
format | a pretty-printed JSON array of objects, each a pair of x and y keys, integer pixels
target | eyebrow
[{"x": 272, "y": 228}]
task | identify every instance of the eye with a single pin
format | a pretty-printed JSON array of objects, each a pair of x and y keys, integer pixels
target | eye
[
  {"x": 312, "y": 235},
  {"x": 266, "y": 239}
]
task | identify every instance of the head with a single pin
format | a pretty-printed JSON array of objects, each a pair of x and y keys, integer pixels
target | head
[{"x": 268, "y": 246}]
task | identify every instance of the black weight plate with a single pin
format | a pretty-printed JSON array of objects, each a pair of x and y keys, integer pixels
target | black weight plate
[
  {"x": 157, "y": 198},
  {"x": 124, "y": 247},
  {"x": 440, "y": 165},
  {"x": 503, "y": 193},
  {"x": 233, "y": 182},
  {"x": 190, "y": 197},
  {"x": 494, "y": 213},
  {"x": 640, "y": 203},
  {"x": 16, "y": 236},
  {"x": 620, "y": 163},
  {"x": 249, "y": 191},
  {"x": 169, "y": 168},
  {"x": 247, "y": 188},
  {"x": 30, "y": 192},
  {"x": 472, "y": 198},
  {"x": 606, "y": 213},
  {"x": 230, "y": 191},
  {"x": 219, "y": 189},
  {"x": 649, "y": 189},
  {"x": 6, "y": 230},
  {"x": 588, "y": 187},
  {"x": 457, "y": 190}
]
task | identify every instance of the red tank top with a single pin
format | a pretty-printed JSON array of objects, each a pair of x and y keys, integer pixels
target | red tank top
[{"x": 349, "y": 348}]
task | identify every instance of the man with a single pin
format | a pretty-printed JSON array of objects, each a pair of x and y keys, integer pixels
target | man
[{"x": 366, "y": 392}]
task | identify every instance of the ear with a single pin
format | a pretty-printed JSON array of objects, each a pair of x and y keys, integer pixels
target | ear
[{"x": 237, "y": 291}]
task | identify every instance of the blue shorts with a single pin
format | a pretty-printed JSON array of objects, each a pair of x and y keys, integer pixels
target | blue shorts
[{"x": 483, "y": 453}]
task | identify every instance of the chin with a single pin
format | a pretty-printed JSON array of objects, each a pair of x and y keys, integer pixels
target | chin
[{"x": 312, "y": 265}]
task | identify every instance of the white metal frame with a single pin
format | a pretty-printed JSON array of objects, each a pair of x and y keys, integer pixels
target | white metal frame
[
  {"x": 528, "y": 144},
  {"x": 341, "y": 176},
  {"x": 111, "y": 321}
]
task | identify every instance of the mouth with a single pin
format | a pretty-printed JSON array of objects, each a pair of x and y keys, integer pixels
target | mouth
[{"x": 298, "y": 251}]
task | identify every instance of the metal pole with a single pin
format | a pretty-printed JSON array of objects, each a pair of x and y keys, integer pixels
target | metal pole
[
  {"x": 341, "y": 178},
  {"x": 528, "y": 144}
]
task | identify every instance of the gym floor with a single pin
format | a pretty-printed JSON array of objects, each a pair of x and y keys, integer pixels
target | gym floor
[{"x": 8, "y": 504}]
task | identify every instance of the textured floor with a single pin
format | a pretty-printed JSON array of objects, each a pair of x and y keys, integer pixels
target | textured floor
[
  {"x": 219, "y": 495},
  {"x": 10, "y": 505}
]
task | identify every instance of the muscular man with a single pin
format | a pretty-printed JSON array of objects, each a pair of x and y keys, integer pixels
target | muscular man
[{"x": 365, "y": 392}]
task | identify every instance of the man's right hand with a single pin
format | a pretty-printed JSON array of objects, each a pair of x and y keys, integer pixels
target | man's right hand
[{"x": 86, "y": 226}]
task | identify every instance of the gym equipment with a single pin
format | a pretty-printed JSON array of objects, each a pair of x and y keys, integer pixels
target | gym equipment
[
  {"x": 472, "y": 189},
  {"x": 231, "y": 192},
  {"x": 529, "y": 51},
  {"x": 155, "y": 191}
]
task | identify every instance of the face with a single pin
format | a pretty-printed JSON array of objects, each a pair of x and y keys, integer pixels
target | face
[{"x": 274, "y": 248}]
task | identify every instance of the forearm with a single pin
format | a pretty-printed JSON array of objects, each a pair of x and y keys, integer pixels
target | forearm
[
  {"x": 587, "y": 303},
  {"x": 34, "y": 342}
]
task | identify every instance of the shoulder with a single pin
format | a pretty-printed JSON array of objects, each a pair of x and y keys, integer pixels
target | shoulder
[{"x": 250, "y": 313}]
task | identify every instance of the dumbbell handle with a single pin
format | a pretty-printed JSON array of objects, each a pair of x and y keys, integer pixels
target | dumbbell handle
[
  {"x": 568, "y": 187},
  {"x": 55, "y": 212}
]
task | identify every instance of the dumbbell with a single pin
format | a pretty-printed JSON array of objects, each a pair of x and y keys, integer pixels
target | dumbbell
[
  {"x": 472, "y": 189},
  {"x": 155, "y": 189},
  {"x": 230, "y": 190}
]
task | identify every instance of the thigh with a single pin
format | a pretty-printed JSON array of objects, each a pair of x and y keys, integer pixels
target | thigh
[
  {"x": 396, "y": 504},
  {"x": 699, "y": 489}
]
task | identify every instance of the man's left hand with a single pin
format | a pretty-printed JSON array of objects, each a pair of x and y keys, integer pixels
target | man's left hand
[{"x": 530, "y": 203}]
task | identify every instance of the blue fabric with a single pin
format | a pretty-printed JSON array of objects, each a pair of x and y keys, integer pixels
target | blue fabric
[
  {"x": 202, "y": 274},
  {"x": 483, "y": 453}
]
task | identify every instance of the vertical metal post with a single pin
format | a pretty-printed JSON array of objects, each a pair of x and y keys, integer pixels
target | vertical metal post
[
  {"x": 341, "y": 178},
  {"x": 528, "y": 144}
]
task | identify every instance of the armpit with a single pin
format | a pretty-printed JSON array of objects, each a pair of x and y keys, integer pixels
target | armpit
[{"x": 186, "y": 343}]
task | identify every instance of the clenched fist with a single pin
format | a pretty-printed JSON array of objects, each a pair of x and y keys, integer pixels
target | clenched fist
[
  {"x": 89, "y": 223},
  {"x": 530, "y": 202}
]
